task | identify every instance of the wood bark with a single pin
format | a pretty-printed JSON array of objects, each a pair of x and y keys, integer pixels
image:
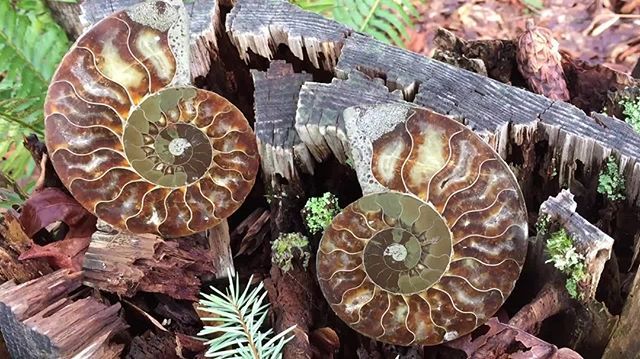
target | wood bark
[
  {"x": 125, "y": 264},
  {"x": 275, "y": 99},
  {"x": 203, "y": 15},
  {"x": 13, "y": 243},
  {"x": 500, "y": 340},
  {"x": 31, "y": 315},
  {"x": 624, "y": 342}
]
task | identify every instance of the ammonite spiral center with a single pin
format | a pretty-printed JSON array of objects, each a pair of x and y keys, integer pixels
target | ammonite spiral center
[
  {"x": 413, "y": 255},
  {"x": 162, "y": 148}
]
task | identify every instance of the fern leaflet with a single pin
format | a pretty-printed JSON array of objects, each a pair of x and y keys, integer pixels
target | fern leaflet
[{"x": 31, "y": 45}]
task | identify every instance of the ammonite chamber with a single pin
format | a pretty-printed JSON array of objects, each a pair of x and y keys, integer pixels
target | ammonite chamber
[
  {"x": 436, "y": 244},
  {"x": 132, "y": 141}
]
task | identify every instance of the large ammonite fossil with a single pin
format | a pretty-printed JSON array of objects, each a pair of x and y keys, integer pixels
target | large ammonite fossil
[
  {"x": 436, "y": 244},
  {"x": 132, "y": 141}
]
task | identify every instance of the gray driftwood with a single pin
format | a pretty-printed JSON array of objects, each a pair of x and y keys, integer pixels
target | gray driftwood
[
  {"x": 503, "y": 115},
  {"x": 203, "y": 15},
  {"x": 31, "y": 315},
  {"x": 276, "y": 97}
]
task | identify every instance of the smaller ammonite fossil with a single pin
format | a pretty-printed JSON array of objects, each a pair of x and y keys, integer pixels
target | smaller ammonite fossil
[
  {"x": 131, "y": 139},
  {"x": 436, "y": 244}
]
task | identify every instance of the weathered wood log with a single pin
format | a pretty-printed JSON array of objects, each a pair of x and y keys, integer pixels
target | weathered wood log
[
  {"x": 13, "y": 243},
  {"x": 125, "y": 264},
  {"x": 261, "y": 26},
  {"x": 276, "y": 97},
  {"x": 203, "y": 14},
  {"x": 590, "y": 242},
  {"x": 31, "y": 315},
  {"x": 319, "y": 118}
]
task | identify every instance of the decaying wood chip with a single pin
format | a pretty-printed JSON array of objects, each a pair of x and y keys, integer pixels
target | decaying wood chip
[
  {"x": 126, "y": 263},
  {"x": 540, "y": 62},
  {"x": 498, "y": 340},
  {"x": 14, "y": 242},
  {"x": 33, "y": 317},
  {"x": 249, "y": 234}
]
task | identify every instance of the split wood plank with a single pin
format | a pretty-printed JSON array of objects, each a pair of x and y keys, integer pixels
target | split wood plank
[
  {"x": 31, "y": 314},
  {"x": 275, "y": 101},
  {"x": 203, "y": 18},
  {"x": 261, "y": 26}
]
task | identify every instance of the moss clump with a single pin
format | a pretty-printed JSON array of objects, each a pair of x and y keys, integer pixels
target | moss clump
[
  {"x": 288, "y": 247},
  {"x": 564, "y": 257},
  {"x": 542, "y": 225},
  {"x": 611, "y": 182},
  {"x": 318, "y": 212},
  {"x": 631, "y": 110}
]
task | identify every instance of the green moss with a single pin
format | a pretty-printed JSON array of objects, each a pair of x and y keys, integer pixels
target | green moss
[
  {"x": 542, "y": 225},
  {"x": 631, "y": 110},
  {"x": 564, "y": 257},
  {"x": 611, "y": 182},
  {"x": 318, "y": 212},
  {"x": 287, "y": 247}
]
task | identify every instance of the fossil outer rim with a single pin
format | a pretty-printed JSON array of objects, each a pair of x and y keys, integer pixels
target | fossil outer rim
[{"x": 445, "y": 164}]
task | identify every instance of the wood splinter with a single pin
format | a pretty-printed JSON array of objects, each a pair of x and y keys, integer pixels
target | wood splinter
[{"x": 31, "y": 313}]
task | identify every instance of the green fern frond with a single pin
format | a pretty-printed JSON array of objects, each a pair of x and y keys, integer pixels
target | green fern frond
[
  {"x": 238, "y": 318},
  {"x": 31, "y": 46},
  {"x": 385, "y": 20},
  {"x": 323, "y": 7},
  {"x": 18, "y": 118}
]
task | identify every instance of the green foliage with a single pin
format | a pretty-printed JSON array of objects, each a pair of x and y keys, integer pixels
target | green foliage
[
  {"x": 542, "y": 225},
  {"x": 564, "y": 257},
  {"x": 385, "y": 20},
  {"x": 534, "y": 4},
  {"x": 318, "y": 212},
  {"x": 611, "y": 182},
  {"x": 631, "y": 110},
  {"x": 31, "y": 45},
  {"x": 238, "y": 318},
  {"x": 287, "y": 247}
]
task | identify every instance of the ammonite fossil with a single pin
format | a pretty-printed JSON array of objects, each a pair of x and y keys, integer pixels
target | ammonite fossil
[
  {"x": 436, "y": 244},
  {"x": 132, "y": 141}
]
